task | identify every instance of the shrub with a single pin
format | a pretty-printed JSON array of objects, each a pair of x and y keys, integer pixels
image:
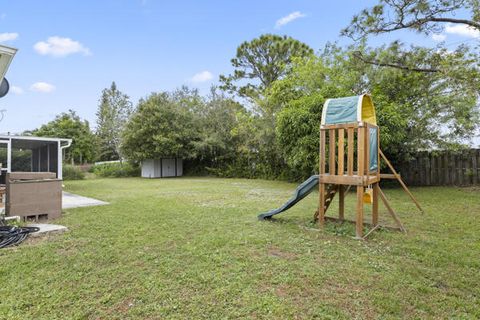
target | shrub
[
  {"x": 72, "y": 173},
  {"x": 116, "y": 170}
]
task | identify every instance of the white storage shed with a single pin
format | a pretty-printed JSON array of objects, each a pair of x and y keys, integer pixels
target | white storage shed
[{"x": 162, "y": 168}]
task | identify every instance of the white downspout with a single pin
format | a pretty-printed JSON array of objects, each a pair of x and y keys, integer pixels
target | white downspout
[
  {"x": 9, "y": 155},
  {"x": 59, "y": 155}
]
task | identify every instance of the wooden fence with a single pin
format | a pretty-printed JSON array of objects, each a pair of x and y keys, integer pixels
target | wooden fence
[{"x": 443, "y": 168}]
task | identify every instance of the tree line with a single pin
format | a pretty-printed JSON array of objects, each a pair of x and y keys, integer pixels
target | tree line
[{"x": 263, "y": 118}]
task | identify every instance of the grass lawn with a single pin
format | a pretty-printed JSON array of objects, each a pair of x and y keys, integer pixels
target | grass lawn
[{"x": 192, "y": 248}]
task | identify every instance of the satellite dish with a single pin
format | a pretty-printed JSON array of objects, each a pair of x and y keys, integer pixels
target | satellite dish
[
  {"x": 6, "y": 56},
  {"x": 4, "y": 87}
]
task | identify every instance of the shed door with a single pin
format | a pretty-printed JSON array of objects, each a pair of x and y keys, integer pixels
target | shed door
[
  {"x": 168, "y": 167},
  {"x": 147, "y": 169},
  {"x": 157, "y": 168}
]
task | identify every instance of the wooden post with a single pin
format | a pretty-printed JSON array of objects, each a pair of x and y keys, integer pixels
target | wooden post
[
  {"x": 360, "y": 173},
  {"x": 367, "y": 150},
  {"x": 341, "y": 202},
  {"x": 375, "y": 204},
  {"x": 321, "y": 206},
  {"x": 359, "y": 220},
  {"x": 361, "y": 151},
  {"x": 378, "y": 153},
  {"x": 341, "y": 152},
  {"x": 331, "y": 148},
  {"x": 321, "y": 202},
  {"x": 350, "y": 133}
]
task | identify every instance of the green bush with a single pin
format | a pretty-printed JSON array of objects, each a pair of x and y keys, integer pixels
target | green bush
[
  {"x": 72, "y": 173},
  {"x": 116, "y": 170}
]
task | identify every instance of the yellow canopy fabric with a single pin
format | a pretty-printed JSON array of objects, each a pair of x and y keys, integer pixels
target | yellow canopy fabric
[{"x": 368, "y": 109}]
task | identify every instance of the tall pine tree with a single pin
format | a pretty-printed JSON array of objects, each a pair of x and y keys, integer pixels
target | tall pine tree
[{"x": 113, "y": 112}]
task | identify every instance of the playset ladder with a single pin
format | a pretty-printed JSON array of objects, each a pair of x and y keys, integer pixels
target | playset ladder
[{"x": 330, "y": 192}]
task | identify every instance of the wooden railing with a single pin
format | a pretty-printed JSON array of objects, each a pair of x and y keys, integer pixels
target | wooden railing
[{"x": 355, "y": 148}]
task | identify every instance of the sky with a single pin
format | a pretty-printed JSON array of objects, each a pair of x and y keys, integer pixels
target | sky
[{"x": 68, "y": 51}]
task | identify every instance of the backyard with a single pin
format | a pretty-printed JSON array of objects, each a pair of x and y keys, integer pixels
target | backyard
[{"x": 193, "y": 248}]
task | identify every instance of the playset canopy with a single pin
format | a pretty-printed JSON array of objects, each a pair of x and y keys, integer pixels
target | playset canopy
[{"x": 354, "y": 109}]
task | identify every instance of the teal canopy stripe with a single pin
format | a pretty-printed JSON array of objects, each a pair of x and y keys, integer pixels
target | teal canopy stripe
[
  {"x": 342, "y": 110},
  {"x": 373, "y": 150}
]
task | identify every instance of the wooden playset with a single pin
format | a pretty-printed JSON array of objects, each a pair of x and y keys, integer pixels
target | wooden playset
[{"x": 350, "y": 156}]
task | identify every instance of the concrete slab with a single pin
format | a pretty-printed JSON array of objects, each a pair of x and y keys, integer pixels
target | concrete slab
[
  {"x": 71, "y": 200},
  {"x": 46, "y": 229}
]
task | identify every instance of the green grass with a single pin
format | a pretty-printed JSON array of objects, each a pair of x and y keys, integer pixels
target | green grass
[{"x": 192, "y": 248}]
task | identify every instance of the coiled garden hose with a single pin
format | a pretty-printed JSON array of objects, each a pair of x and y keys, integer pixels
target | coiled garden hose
[{"x": 13, "y": 235}]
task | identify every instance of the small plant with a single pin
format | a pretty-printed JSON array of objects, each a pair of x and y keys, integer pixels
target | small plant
[
  {"x": 116, "y": 170},
  {"x": 72, "y": 173}
]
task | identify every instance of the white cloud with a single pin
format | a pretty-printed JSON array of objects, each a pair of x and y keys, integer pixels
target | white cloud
[
  {"x": 289, "y": 18},
  {"x": 438, "y": 37},
  {"x": 202, "y": 77},
  {"x": 16, "y": 90},
  {"x": 8, "y": 36},
  {"x": 462, "y": 30},
  {"x": 42, "y": 87},
  {"x": 60, "y": 47}
]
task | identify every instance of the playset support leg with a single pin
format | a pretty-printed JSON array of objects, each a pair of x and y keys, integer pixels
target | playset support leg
[
  {"x": 341, "y": 202},
  {"x": 321, "y": 202},
  {"x": 321, "y": 206},
  {"x": 359, "y": 220},
  {"x": 390, "y": 210},
  {"x": 371, "y": 231},
  {"x": 404, "y": 186},
  {"x": 375, "y": 205}
]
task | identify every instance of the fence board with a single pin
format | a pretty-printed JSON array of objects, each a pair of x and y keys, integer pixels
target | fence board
[
  {"x": 442, "y": 168},
  {"x": 475, "y": 179}
]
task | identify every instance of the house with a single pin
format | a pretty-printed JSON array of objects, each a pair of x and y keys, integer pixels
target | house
[{"x": 31, "y": 175}]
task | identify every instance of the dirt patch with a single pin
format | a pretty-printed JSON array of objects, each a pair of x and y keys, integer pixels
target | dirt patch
[
  {"x": 474, "y": 189},
  {"x": 125, "y": 305},
  {"x": 276, "y": 252},
  {"x": 341, "y": 295},
  {"x": 282, "y": 291}
]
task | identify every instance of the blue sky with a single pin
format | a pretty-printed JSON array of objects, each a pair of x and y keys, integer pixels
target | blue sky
[{"x": 70, "y": 50}]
